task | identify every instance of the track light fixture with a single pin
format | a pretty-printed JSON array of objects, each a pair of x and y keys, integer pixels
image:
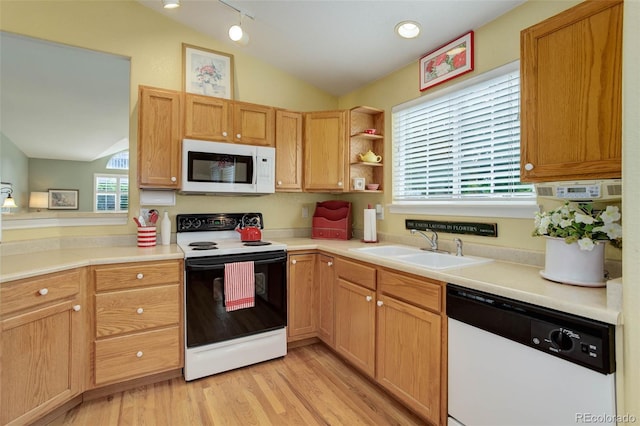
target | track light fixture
[{"x": 236, "y": 32}]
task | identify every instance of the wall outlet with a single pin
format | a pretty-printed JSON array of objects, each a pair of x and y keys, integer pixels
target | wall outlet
[
  {"x": 305, "y": 212},
  {"x": 379, "y": 212}
]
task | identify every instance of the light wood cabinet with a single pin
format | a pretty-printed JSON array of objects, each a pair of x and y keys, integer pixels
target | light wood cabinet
[
  {"x": 571, "y": 79},
  {"x": 223, "y": 120},
  {"x": 253, "y": 124},
  {"x": 288, "y": 144},
  {"x": 325, "y": 281},
  {"x": 409, "y": 356},
  {"x": 361, "y": 120},
  {"x": 43, "y": 345},
  {"x": 302, "y": 294},
  {"x": 207, "y": 118},
  {"x": 355, "y": 316},
  {"x": 325, "y": 147},
  {"x": 137, "y": 321},
  {"x": 159, "y": 138}
]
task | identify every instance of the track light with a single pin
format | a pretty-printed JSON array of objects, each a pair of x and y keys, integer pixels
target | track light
[
  {"x": 236, "y": 32},
  {"x": 170, "y": 4}
]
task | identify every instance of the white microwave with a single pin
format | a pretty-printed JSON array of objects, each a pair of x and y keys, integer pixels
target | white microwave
[{"x": 227, "y": 168}]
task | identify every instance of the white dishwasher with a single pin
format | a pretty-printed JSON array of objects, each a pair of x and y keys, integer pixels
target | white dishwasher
[{"x": 512, "y": 363}]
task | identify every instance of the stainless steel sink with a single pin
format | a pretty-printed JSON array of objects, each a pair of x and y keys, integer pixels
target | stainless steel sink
[{"x": 422, "y": 258}]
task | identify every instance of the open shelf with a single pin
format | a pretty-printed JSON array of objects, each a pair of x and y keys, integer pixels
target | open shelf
[{"x": 361, "y": 118}]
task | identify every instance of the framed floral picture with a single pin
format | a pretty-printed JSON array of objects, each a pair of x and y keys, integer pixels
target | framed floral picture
[
  {"x": 449, "y": 61},
  {"x": 207, "y": 72}
]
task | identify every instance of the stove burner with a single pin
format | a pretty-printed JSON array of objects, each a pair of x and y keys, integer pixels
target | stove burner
[
  {"x": 202, "y": 244},
  {"x": 257, "y": 243},
  {"x": 209, "y": 247}
]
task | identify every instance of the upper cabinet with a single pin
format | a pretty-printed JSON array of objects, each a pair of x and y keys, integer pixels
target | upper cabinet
[
  {"x": 159, "y": 138},
  {"x": 325, "y": 144},
  {"x": 288, "y": 151},
  {"x": 571, "y": 69},
  {"x": 207, "y": 118},
  {"x": 222, "y": 120},
  {"x": 366, "y": 137}
]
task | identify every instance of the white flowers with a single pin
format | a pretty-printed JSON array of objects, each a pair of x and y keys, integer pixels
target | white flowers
[{"x": 585, "y": 226}]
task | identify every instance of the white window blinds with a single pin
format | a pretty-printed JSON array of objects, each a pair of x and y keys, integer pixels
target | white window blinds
[{"x": 463, "y": 145}]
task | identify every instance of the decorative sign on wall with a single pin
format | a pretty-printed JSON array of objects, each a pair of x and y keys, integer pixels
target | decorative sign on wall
[{"x": 470, "y": 228}]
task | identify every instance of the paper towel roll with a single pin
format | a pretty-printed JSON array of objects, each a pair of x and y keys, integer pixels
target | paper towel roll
[{"x": 370, "y": 233}]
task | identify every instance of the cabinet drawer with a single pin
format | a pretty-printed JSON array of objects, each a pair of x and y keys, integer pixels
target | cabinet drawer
[
  {"x": 120, "y": 276},
  {"x": 32, "y": 292},
  {"x": 138, "y": 309},
  {"x": 421, "y": 292},
  {"x": 139, "y": 354},
  {"x": 356, "y": 273}
]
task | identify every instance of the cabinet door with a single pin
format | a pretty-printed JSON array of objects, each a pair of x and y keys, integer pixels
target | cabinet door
[
  {"x": 324, "y": 151},
  {"x": 43, "y": 361},
  {"x": 207, "y": 118},
  {"x": 355, "y": 325},
  {"x": 408, "y": 355},
  {"x": 254, "y": 124},
  {"x": 571, "y": 94},
  {"x": 302, "y": 297},
  {"x": 288, "y": 151},
  {"x": 326, "y": 282},
  {"x": 159, "y": 138}
]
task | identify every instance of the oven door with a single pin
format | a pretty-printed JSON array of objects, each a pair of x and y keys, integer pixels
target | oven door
[{"x": 207, "y": 320}]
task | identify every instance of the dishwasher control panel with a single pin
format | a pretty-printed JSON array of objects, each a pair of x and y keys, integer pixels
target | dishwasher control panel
[{"x": 568, "y": 343}]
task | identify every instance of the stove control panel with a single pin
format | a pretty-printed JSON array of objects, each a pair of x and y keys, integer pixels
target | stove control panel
[{"x": 216, "y": 221}]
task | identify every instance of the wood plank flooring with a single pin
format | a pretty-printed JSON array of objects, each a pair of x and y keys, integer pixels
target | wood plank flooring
[{"x": 310, "y": 386}]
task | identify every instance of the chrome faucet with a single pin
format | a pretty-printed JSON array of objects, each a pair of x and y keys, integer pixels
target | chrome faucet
[
  {"x": 433, "y": 240},
  {"x": 458, "y": 242}
]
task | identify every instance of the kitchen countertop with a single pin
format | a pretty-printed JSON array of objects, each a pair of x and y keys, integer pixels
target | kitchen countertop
[{"x": 512, "y": 280}]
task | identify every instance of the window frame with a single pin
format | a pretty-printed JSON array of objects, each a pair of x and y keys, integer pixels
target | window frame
[
  {"x": 118, "y": 193},
  {"x": 520, "y": 207}
]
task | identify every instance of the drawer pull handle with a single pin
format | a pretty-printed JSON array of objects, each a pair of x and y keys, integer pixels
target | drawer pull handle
[
  {"x": 76, "y": 308},
  {"x": 379, "y": 303},
  {"x": 369, "y": 298},
  {"x": 140, "y": 276},
  {"x": 139, "y": 310},
  {"x": 139, "y": 354},
  {"x": 43, "y": 291}
]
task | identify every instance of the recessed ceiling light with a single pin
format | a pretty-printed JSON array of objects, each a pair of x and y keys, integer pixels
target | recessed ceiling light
[
  {"x": 171, "y": 4},
  {"x": 408, "y": 29}
]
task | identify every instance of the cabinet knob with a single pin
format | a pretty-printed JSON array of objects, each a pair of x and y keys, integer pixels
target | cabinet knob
[
  {"x": 43, "y": 291},
  {"x": 368, "y": 298},
  {"x": 279, "y": 182},
  {"x": 239, "y": 136},
  {"x": 76, "y": 308},
  {"x": 139, "y": 276},
  {"x": 224, "y": 134},
  {"x": 329, "y": 263},
  {"x": 528, "y": 166},
  {"x": 379, "y": 303},
  {"x": 139, "y": 354},
  {"x": 340, "y": 183},
  {"x": 139, "y": 311},
  {"x": 173, "y": 179},
  {"x": 293, "y": 262}
]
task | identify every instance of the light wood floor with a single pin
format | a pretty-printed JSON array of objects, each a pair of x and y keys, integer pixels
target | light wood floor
[{"x": 310, "y": 386}]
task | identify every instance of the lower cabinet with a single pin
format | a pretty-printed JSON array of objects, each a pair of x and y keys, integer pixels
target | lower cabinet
[
  {"x": 302, "y": 297},
  {"x": 137, "y": 321},
  {"x": 325, "y": 278},
  {"x": 42, "y": 342}
]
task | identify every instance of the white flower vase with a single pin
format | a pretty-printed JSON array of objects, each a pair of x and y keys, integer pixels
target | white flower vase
[{"x": 567, "y": 264}]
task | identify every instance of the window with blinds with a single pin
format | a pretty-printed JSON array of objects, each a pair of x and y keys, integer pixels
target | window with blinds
[
  {"x": 111, "y": 193},
  {"x": 462, "y": 145}
]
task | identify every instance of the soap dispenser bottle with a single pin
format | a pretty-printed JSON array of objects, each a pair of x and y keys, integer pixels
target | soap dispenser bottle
[{"x": 165, "y": 229}]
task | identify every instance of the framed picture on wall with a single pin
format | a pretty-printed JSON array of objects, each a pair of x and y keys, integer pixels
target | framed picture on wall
[
  {"x": 207, "y": 72},
  {"x": 449, "y": 61},
  {"x": 63, "y": 199}
]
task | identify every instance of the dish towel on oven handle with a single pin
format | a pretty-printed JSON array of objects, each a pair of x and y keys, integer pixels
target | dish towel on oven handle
[{"x": 239, "y": 286}]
